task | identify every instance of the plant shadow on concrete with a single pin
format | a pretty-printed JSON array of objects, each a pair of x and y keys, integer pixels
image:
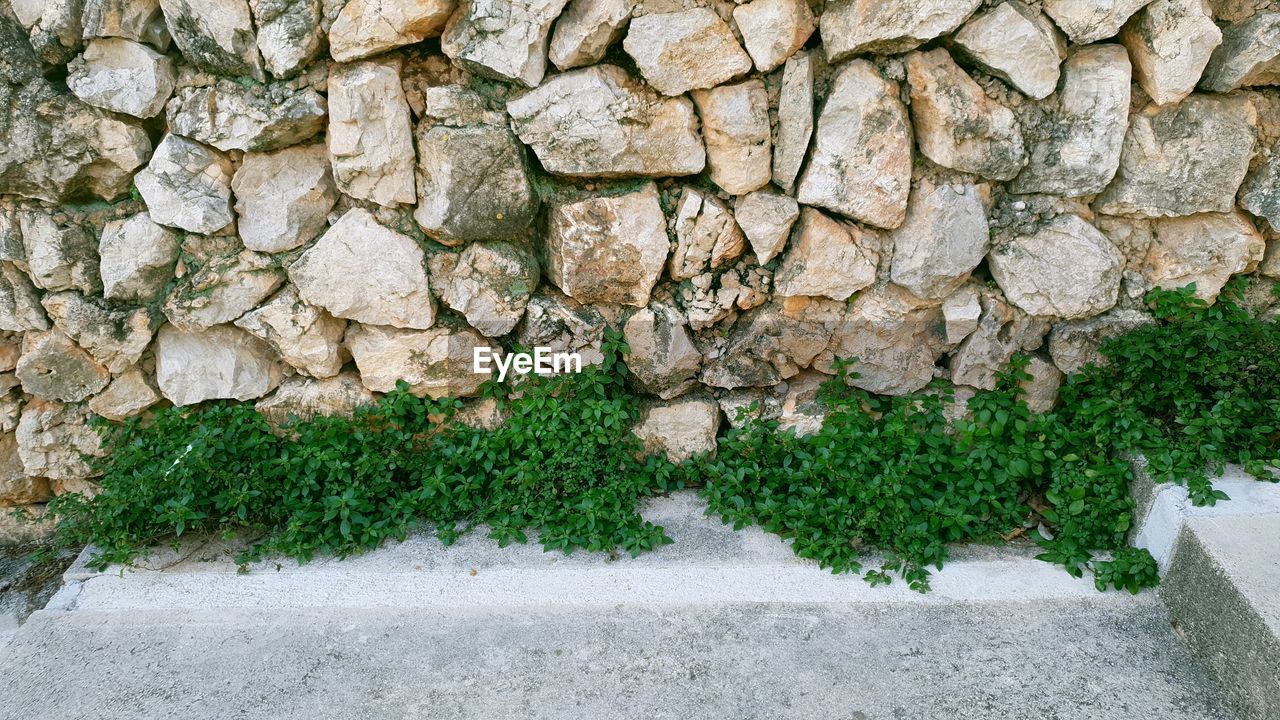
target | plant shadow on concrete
[{"x": 903, "y": 476}]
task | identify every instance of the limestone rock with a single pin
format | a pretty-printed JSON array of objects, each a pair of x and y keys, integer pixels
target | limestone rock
[
  {"x": 735, "y": 121},
  {"x": 861, "y": 159},
  {"x": 436, "y": 362},
  {"x": 956, "y": 124},
  {"x": 305, "y": 336},
  {"x": 586, "y": 29},
  {"x": 283, "y": 198},
  {"x": 55, "y": 439},
  {"x": 707, "y": 237},
  {"x": 137, "y": 258},
  {"x": 60, "y": 256},
  {"x": 608, "y": 249},
  {"x": 1016, "y": 43},
  {"x": 54, "y": 26},
  {"x": 231, "y": 117},
  {"x": 187, "y": 185},
  {"x": 1041, "y": 391},
  {"x": 1074, "y": 140},
  {"x": 1183, "y": 159},
  {"x": 766, "y": 219},
  {"x": 1002, "y": 331},
  {"x": 137, "y": 20},
  {"x": 663, "y": 360},
  {"x": 126, "y": 396},
  {"x": 1066, "y": 269},
  {"x": 773, "y": 342},
  {"x": 1249, "y": 55},
  {"x": 1170, "y": 42},
  {"x": 215, "y": 35},
  {"x": 772, "y": 30},
  {"x": 851, "y": 27},
  {"x": 561, "y": 324},
  {"x": 599, "y": 122},
  {"x": 370, "y": 27},
  {"x": 488, "y": 283},
  {"x": 679, "y": 429},
  {"x": 827, "y": 258},
  {"x": 16, "y": 487},
  {"x": 1205, "y": 249},
  {"x": 1077, "y": 343},
  {"x": 114, "y": 337},
  {"x": 962, "y": 310},
  {"x": 223, "y": 289},
  {"x": 689, "y": 50},
  {"x": 306, "y": 398},
  {"x": 1088, "y": 21},
  {"x": 290, "y": 36},
  {"x": 942, "y": 240},
  {"x": 504, "y": 39},
  {"x": 53, "y": 367},
  {"x": 795, "y": 120},
  {"x": 221, "y": 362},
  {"x": 20, "y": 308},
  {"x": 1261, "y": 192},
  {"x": 370, "y": 139},
  {"x": 794, "y": 403},
  {"x": 122, "y": 76}
]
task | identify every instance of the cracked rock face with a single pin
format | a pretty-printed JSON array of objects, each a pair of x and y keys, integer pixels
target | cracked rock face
[
  {"x": 682, "y": 51},
  {"x": 851, "y": 27},
  {"x": 122, "y": 76},
  {"x": 1249, "y": 55},
  {"x": 680, "y": 429},
  {"x": 370, "y": 136},
  {"x": 305, "y": 336},
  {"x": 137, "y": 20},
  {"x": 488, "y": 283},
  {"x": 1077, "y": 343},
  {"x": 1261, "y": 192},
  {"x": 943, "y": 239},
  {"x": 1002, "y": 331},
  {"x": 586, "y": 29},
  {"x": 283, "y": 198},
  {"x": 663, "y": 361},
  {"x": 59, "y": 256},
  {"x": 1016, "y": 43},
  {"x": 230, "y": 117},
  {"x": 289, "y": 34},
  {"x": 20, "y": 308},
  {"x": 114, "y": 337},
  {"x": 766, "y": 219},
  {"x": 369, "y": 27},
  {"x": 137, "y": 258},
  {"x": 773, "y": 342},
  {"x": 504, "y": 39},
  {"x": 707, "y": 237},
  {"x": 306, "y": 398},
  {"x": 188, "y": 186},
  {"x": 223, "y": 289},
  {"x": 128, "y": 395},
  {"x": 435, "y": 363},
  {"x": 1170, "y": 42},
  {"x": 53, "y": 367},
  {"x": 55, "y": 440},
  {"x": 1067, "y": 269},
  {"x": 773, "y": 30},
  {"x": 795, "y": 120},
  {"x": 223, "y": 362},
  {"x": 1205, "y": 249},
  {"x": 735, "y": 125},
  {"x": 215, "y": 35},
  {"x": 1088, "y": 21},
  {"x": 827, "y": 258}
]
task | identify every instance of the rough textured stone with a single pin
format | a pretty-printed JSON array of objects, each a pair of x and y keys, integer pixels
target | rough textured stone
[
  {"x": 663, "y": 360},
  {"x": 229, "y": 116},
  {"x": 137, "y": 20},
  {"x": 122, "y": 76},
  {"x": 561, "y": 324},
  {"x": 827, "y": 258},
  {"x": 1002, "y": 331},
  {"x": 586, "y": 29},
  {"x": 436, "y": 362},
  {"x": 370, "y": 27},
  {"x": 956, "y": 124},
  {"x": 215, "y": 35},
  {"x": 223, "y": 289},
  {"x": 16, "y": 487},
  {"x": 1074, "y": 138},
  {"x": 679, "y": 429},
  {"x": 370, "y": 139},
  {"x": 1183, "y": 159},
  {"x": 393, "y": 288},
  {"x": 861, "y": 160},
  {"x": 306, "y": 398},
  {"x": 59, "y": 256},
  {"x": 608, "y": 249},
  {"x": 707, "y": 237},
  {"x": 599, "y": 122},
  {"x": 221, "y": 362},
  {"x": 1205, "y": 249},
  {"x": 1076, "y": 343},
  {"x": 942, "y": 240},
  {"x": 1017, "y": 44},
  {"x": 773, "y": 342},
  {"x": 1249, "y": 55},
  {"x": 1170, "y": 42},
  {"x": 795, "y": 120},
  {"x": 851, "y": 27},
  {"x": 1066, "y": 269},
  {"x": 53, "y": 367},
  {"x": 735, "y": 125},
  {"x": 1261, "y": 192},
  {"x": 54, "y": 440},
  {"x": 137, "y": 258},
  {"x": 1041, "y": 391},
  {"x": 20, "y": 308},
  {"x": 126, "y": 396},
  {"x": 688, "y": 50},
  {"x": 283, "y": 198},
  {"x": 54, "y": 27},
  {"x": 961, "y": 311},
  {"x": 488, "y": 283},
  {"x": 187, "y": 185},
  {"x": 290, "y": 36},
  {"x": 772, "y": 30},
  {"x": 305, "y": 336},
  {"x": 115, "y": 337},
  {"x": 766, "y": 219},
  {"x": 1088, "y": 21},
  {"x": 506, "y": 39}
]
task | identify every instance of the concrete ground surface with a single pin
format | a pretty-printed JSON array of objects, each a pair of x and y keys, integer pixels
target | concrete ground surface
[{"x": 721, "y": 624}]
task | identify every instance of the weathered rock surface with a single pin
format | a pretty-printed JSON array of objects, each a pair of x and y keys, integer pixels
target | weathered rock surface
[
  {"x": 850, "y": 27},
  {"x": 861, "y": 160},
  {"x": 599, "y": 122},
  {"x": 586, "y": 29},
  {"x": 795, "y": 120},
  {"x": 1066, "y": 269},
  {"x": 773, "y": 30},
  {"x": 20, "y": 308},
  {"x": 961, "y": 310},
  {"x": 1076, "y": 343},
  {"x": 436, "y": 362},
  {"x": 16, "y": 487},
  {"x": 489, "y": 283},
  {"x": 223, "y": 289},
  {"x": 229, "y": 116},
  {"x": 283, "y": 198},
  {"x": 766, "y": 219},
  {"x": 115, "y": 337},
  {"x": 506, "y": 39},
  {"x": 188, "y": 186},
  {"x": 215, "y": 35},
  {"x": 1041, "y": 391},
  {"x": 827, "y": 258},
  {"x": 54, "y": 440},
  {"x": 663, "y": 360},
  {"x": 52, "y": 367},
  {"x": 305, "y": 336},
  {"x": 735, "y": 123},
  {"x": 1183, "y": 159},
  {"x": 122, "y": 76},
  {"x": 707, "y": 237},
  {"x": 137, "y": 20},
  {"x": 137, "y": 258},
  {"x": 126, "y": 396},
  {"x": 1016, "y": 43},
  {"x": 370, "y": 138},
  {"x": 1261, "y": 192},
  {"x": 54, "y": 27},
  {"x": 1088, "y": 21},
  {"x": 608, "y": 249},
  {"x": 1205, "y": 249},
  {"x": 60, "y": 256},
  {"x": 393, "y": 288},
  {"x": 689, "y": 50},
  {"x": 1170, "y": 42},
  {"x": 306, "y": 398},
  {"x": 773, "y": 342},
  {"x": 290, "y": 36},
  {"x": 221, "y": 362},
  {"x": 956, "y": 124},
  {"x": 1249, "y": 55},
  {"x": 370, "y": 27},
  {"x": 1002, "y": 331},
  {"x": 942, "y": 240},
  {"x": 679, "y": 429},
  {"x": 561, "y": 324}
]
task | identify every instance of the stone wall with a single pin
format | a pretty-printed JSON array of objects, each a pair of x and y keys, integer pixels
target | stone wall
[{"x": 298, "y": 203}]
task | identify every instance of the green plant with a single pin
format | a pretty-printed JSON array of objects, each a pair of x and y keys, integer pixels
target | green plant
[{"x": 1129, "y": 569}]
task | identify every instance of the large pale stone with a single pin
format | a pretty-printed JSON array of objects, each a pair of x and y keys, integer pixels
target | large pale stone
[
  {"x": 1015, "y": 43},
  {"x": 53, "y": 367},
  {"x": 370, "y": 138},
  {"x": 126, "y": 396},
  {"x": 305, "y": 336},
  {"x": 561, "y": 324},
  {"x": 1088, "y": 21},
  {"x": 795, "y": 120},
  {"x": 1074, "y": 137},
  {"x": 1249, "y": 55},
  {"x": 1002, "y": 331},
  {"x": 608, "y": 249},
  {"x": 290, "y": 35},
  {"x": 122, "y": 76},
  {"x": 962, "y": 310},
  {"x": 229, "y": 116},
  {"x": 392, "y": 287},
  {"x": 369, "y": 27},
  {"x": 59, "y": 256},
  {"x": 137, "y": 20},
  {"x": 187, "y": 185},
  {"x": 663, "y": 360},
  {"x": 56, "y": 442},
  {"x": 586, "y": 29},
  {"x": 766, "y": 219},
  {"x": 850, "y": 27},
  {"x": 223, "y": 362},
  {"x": 1077, "y": 343},
  {"x": 283, "y": 198},
  {"x": 1205, "y": 249},
  {"x": 16, "y": 487},
  {"x": 942, "y": 240},
  {"x": 114, "y": 337},
  {"x": 861, "y": 161},
  {"x": 300, "y": 398},
  {"x": 827, "y": 258},
  {"x": 735, "y": 124},
  {"x": 707, "y": 237},
  {"x": 688, "y": 50},
  {"x": 215, "y": 35},
  {"x": 1170, "y": 42},
  {"x": 54, "y": 27},
  {"x": 137, "y": 258},
  {"x": 436, "y": 362},
  {"x": 956, "y": 124},
  {"x": 1183, "y": 159},
  {"x": 1261, "y": 192},
  {"x": 20, "y": 308},
  {"x": 489, "y": 283},
  {"x": 1041, "y": 391},
  {"x": 680, "y": 429},
  {"x": 773, "y": 30},
  {"x": 504, "y": 39},
  {"x": 1066, "y": 269},
  {"x": 223, "y": 289},
  {"x": 599, "y": 122},
  {"x": 796, "y": 404}
]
